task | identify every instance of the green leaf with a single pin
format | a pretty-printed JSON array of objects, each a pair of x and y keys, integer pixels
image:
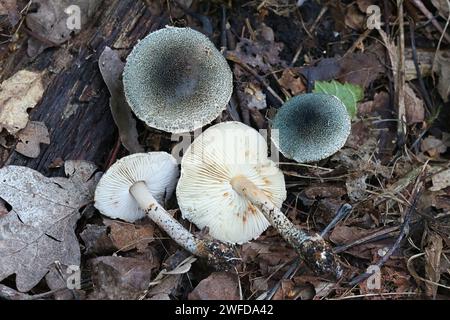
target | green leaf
[{"x": 348, "y": 93}]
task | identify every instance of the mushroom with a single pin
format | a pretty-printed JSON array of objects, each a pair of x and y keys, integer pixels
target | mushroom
[
  {"x": 136, "y": 185},
  {"x": 229, "y": 185},
  {"x": 176, "y": 80},
  {"x": 311, "y": 127}
]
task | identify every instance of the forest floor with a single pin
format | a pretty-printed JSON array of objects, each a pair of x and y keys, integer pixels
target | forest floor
[{"x": 393, "y": 171}]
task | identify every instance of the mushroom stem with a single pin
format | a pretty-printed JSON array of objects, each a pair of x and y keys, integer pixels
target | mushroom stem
[
  {"x": 212, "y": 250},
  {"x": 312, "y": 248}
]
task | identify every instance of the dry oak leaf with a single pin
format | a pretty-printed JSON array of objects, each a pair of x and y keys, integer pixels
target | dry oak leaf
[
  {"x": 30, "y": 139},
  {"x": 52, "y": 22},
  {"x": 218, "y": 286},
  {"x": 39, "y": 229},
  {"x": 129, "y": 236},
  {"x": 18, "y": 94}
]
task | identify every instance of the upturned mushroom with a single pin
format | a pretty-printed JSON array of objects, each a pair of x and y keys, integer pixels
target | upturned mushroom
[
  {"x": 176, "y": 80},
  {"x": 311, "y": 127},
  {"x": 136, "y": 185},
  {"x": 229, "y": 185}
]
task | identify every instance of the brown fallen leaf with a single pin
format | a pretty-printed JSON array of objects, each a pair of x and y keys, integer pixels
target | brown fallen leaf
[
  {"x": 442, "y": 70},
  {"x": 292, "y": 81},
  {"x": 119, "y": 278},
  {"x": 433, "y": 146},
  {"x": 9, "y": 7},
  {"x": 50, "y": 23},
  {"x": 30, "y": 139},
  {"x": 433, "y": 252},
  {"x": 424, "y": 60},
  {"x": 128, "y": 236},
  {"x": 415, "y": 110},
  {"x": 251, "y": 96},
  {"x": 96, "y": 240},
  {"x": 356, "y": 68},
  {"x": 39, "y": 229},
  {"x": 218, "y": 286},
  {"x": 261, "y": 53},
  {"x": 441, "y": 180},
  {"x": 19, "y": 93},
  {"x": 111, "y": 68},
  {"x": 442, "y": 7},
  {"x": 354, "y": 19}
]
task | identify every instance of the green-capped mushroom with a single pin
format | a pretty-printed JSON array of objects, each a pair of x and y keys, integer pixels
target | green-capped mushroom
[
  {"x": 311, "y": 127},
  {"x": 176, "y": 80}
]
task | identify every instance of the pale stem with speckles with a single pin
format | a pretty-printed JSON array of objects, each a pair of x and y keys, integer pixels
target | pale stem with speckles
[
  {"x": 166, "y": 222},
  {"x": 312, "y": 248},
  {"x": 274, "y": 215}
]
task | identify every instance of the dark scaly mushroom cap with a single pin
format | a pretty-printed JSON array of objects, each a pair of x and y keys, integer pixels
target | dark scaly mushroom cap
[
  {"x": 311, "y": 127},
  {"x": 176, "y": 80}
]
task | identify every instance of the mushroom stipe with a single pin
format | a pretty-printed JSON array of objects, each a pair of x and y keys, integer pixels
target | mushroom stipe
[
  {"x": 217, "y": 186},
  {"x": 313, "y": 249},
  {"x": 129, "y": 185}
]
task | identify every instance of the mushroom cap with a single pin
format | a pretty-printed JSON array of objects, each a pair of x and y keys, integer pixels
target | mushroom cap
[
  {"x": 311, "y": 127},
  {"x": 176, "y": 80},
  {"x": 159, "y": 170},
  {"x": 204, "y": 192}
]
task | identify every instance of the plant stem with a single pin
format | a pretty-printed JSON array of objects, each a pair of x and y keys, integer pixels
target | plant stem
[
  {"x": 214, "y": 251},
  {"x": 312, "y": 248}
]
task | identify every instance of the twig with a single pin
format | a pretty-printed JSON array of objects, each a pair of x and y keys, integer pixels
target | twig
[
  {"x": 419, "y": 5},
  {"x": 442, "y": 36},
  {"x": 360, "y": 39},
  {"x": 405, "y": 226},
  {"x": 343, "y": 211},
  {"x": 423, "y": 89},
  {"x": 400, "y": 78},
  {"x": 257, "y": 76},
  {"x": 382, "y": 234}
]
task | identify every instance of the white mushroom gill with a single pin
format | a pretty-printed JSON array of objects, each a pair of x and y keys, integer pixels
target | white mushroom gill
[
  {"x": 229, "y": 185},
  {"x": 205, "y": 193},
  {"x": 136, "y": 185}
]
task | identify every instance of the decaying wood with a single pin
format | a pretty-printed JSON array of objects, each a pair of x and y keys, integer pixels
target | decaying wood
[{"x": 75, "y": 106}]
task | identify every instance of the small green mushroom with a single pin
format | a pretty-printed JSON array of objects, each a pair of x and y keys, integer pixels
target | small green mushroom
[
  {"x": 311, "y": 127},
  {"x": 176, "y": 80}
]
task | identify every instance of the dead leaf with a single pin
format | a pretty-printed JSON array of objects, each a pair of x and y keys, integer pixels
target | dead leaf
[
  {"x": 111, "y": 68},
  {"x": 324, "y": 191},
  {"x": 433, "y": 146},
  {"x": 251, "y": 96},
  {"x": 442, "y": 70},
  {"x": 30, "y": 139},
  {"x": 356, "y": 187},
  {"x": 39, "y": 229},
  {"x": 128, "y": 236},
  {"x": 441, "y": 180},
  {"x": 360, "y": 68},
  {"x": 51, "y": 22},
  {"x": 442, "y": 7},
  {"x": 354, "y": 19},
  {"x": 356, "y": 68},
  {"x": 119, "y": 278},
  {"x": 218, "y": 286},
  {"x": 9, "y": 7},
  {"x": 96, "y": 240},
  {"x": 424, "y": 59},
  {"x": 292, "y": 81},
  {"x": 433, "y": 251},
  {"x": 415, "y": 111},
  {"x": 18, "y": 94},
  {"x": 262, "y": 53}
]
